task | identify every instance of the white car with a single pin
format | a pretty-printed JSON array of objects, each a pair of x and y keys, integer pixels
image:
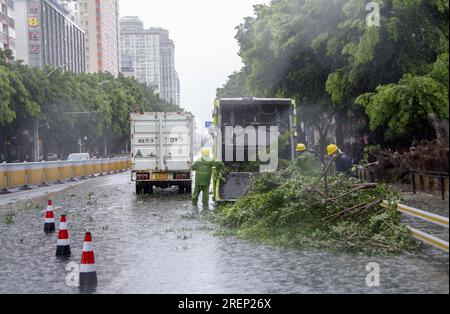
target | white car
[{"x": 78, "y": 157}]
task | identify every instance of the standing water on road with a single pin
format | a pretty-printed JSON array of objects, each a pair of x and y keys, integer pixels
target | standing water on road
[{"x": 160, "y": 244}]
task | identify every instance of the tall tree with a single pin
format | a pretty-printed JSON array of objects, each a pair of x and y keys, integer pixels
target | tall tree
[
  {"x": 68, "y": 108},
  {"x": 381, "y": 80}
]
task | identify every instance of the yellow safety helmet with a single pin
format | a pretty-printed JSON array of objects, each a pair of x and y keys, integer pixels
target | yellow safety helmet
[
  {"x": 301, "y": 147},
  {"x": 331, "y": 149},
  {"x": 205, "y": 152}
]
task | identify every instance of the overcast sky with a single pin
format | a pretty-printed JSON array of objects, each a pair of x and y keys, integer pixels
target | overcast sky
[{"x": 205, "y": 48}]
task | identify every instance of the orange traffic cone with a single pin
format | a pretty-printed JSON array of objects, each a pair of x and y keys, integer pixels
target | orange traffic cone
[
  {"x": 49, "y": 225},
  {"x": 63, "y": 246},
  {"x": 88, "y": 271}
]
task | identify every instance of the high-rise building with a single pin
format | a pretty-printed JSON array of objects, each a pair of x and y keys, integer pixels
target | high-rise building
[
  {"x": 126, "y": 66},
  {"x": 7, "y": 28},
  {"x": 100, "y": 21},
  {"x": 143, "y": 47},
  {"x": 72, "y": 7},
  {"x": 46, "y": 34},
  {"x": 152, "y": 56},
  {"x": 168, "y": 90},
  {"x": 178, "y": 88}
]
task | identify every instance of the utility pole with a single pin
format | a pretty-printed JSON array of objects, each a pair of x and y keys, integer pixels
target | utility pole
[
  {"x": 36, "y": 152},
  {"x": 106, "y": 151},
  {"x": 201, "y": 135},
  {"x": 59, "y": 67}
]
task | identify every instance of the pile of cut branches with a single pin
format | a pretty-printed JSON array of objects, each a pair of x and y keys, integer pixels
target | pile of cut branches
[
  {"x": 288, "y": 209},
  {"x": 423, "y": 156},
  {"x": 426, "y": 156}
]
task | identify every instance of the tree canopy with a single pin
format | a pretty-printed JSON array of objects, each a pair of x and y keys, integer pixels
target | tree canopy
[
  {"x": 382, "y": 80},
  {"x": 69, "y": 107}
]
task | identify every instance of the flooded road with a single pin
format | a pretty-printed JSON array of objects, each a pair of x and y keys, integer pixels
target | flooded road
[{"x": 159, "y": 244}]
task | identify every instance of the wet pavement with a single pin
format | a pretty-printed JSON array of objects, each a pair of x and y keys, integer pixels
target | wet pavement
[{"x": 160, "y": 244}]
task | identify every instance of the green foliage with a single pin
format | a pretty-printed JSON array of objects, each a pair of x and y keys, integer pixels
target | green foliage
[
  {"x": 281, "y": 210},
  {"x": 6, "y": 92},
  {"x": 8, "y": 218},
  {"x": 324, "y": 55},
  {"x": 439, "y": 71},
  {"x": 368, "y": 152},
  {"x": 235, "y": 86},
  {"x": 52, "y": 96},
  {"x": 402, "y": 109}
]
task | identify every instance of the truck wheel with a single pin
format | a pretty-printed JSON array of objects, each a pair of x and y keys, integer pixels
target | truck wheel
[
  {"x": 139, "y": 189},
  {"x": 148, "y": 189},
  {"x": 188, "y": 187}
]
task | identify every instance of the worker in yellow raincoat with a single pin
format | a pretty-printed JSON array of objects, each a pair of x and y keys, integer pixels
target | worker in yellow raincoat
[
  {"x": 203, "y": 172},
  {"x": 305, "y": 161}
]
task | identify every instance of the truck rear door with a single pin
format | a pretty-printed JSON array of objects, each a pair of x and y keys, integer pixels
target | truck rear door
[
  {"x": 176, "y": 141},
  {"x": 146, "y": 141}
]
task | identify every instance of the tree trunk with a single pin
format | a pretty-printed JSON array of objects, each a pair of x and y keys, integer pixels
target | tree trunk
[
  {"x": 322, "y": 145},
  {"x": 341, "y": 120},
  {"x": 301, "y": 138},
  {"x": 440, "y": 127}
]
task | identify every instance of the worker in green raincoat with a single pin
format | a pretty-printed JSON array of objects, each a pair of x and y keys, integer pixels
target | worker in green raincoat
[
  {"x": 203, "y": 171},
  {"x": 305, "y": 160}
]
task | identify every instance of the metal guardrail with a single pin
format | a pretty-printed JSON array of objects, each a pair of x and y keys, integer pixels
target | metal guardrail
[
  {"x": 427, "y": 181},
  {"x": 427, "y": 238},
  {"x": 22, "y": 175},
  {"x": 426, "y": 216}
]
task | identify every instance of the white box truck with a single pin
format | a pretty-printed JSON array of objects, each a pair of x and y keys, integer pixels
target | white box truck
[{"x": 162, "y": 145}]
